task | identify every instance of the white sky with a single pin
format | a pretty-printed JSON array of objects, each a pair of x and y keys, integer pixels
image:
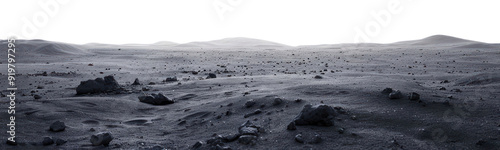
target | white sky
[{"x": 291, "y": 22}]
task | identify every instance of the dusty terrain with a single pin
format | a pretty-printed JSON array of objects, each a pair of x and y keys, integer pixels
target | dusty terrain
[{"x": 465, "y": 114}]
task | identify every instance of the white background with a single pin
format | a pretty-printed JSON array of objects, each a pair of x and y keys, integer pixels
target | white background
[{"x": 291, "y": 22}]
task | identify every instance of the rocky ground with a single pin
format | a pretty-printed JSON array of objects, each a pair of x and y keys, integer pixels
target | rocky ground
[{"x": 441, "y": 96}]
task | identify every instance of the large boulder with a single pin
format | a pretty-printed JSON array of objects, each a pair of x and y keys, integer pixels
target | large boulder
[
  {"x": 320, "y": 115},
  {"x": 57, "y": 126},
  {"x": 103, "y": 138},
  {"x": 99, "y": 85},
  {"x": 156, "y": 99},
  {"x": 396, "y": 95}
]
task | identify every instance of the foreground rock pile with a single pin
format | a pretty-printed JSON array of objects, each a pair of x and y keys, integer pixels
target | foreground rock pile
[
  {"x": 99, "y": 85},
  {"x": 320, "y": 115},
  {"x": 156, "y": 99},
  {"x": 248, "y": 134}
]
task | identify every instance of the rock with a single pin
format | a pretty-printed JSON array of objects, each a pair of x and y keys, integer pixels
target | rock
[
  {"x": 103, "y": 138},
  {"x": 257, "y": 111},
  {"x": 211, "y": 75},
  {"x": 98, "y": 85},
  {"x": 231, "y": 137},
  {"x": 316, "y": 139},
  {"x": 36, "y": 96},
  {"x": 277, "y": 101},
  {"x": 318, "y": 77},
  {"x": 387, "y": 91},
  {"x": 136, "y": 82},
  {"x": 341, "y": 130},
  {"x": 299, "y": 138},
  {"x": 13, "y": 143},
  {"x": 249, "y": 131},
  {"x": 247, "y": 139},
  {"x": 171, "y": 79},
  {"x": 320, "y": 115},
  {"x": 298, "y": 100},
  {"x": 47, "y": 141},
  {"x": 197, "y": 145},
  {"x": 340, "y": 110},
  {"x": 40, "y": 87},
  {"x": 395, "y": 95},
  {"x": 414, "y": 96},
  {"x": 57, "y": 126},
  {"x": 250, "y": 103},
  {"x": 60, "y": 141},
  {"x": 156, "y": 99},
  {"x": 217, "y": 140},
  {"x": 248, "y": 128},
  {"x": 442, "y": 88},
  {"x": 157, "y": 147},
  {"x": 291, "y": 126}
]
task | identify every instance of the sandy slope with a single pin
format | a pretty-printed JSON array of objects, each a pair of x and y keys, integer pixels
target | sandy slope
[{"x": 353, "y": 77}]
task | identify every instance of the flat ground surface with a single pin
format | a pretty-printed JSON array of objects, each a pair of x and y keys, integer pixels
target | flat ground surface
[{"x": 353, "y": 78}]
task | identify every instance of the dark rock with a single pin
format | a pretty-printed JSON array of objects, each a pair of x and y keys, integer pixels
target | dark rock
[
  {"x": 277, "y": 101},
  {"x": 157, "y": 147},
  {"x": 47, "y": 141},
  {"x": 396, "y": 95},
  {"x": 442, "y": 88},
  {"x": 340, "y": 110},
  {"x": 387, "y": 91},
  {"x": 316, "y": 139},
  {"x": 414, "y": 96},
  {"x": 60, "y": 141},
  {"x": 136, "y": 82},
  {"x": 217, "y": 140},
  {"x": 13, "y": 143},
  {"x": 171, "y": 79},
  {"x": 341, "y": 130},
  {"x": 103, "y": 138},
  {"x": 318, "y": 77},
  {"x": 299, "y": 138},
  {"x": 98, "y": 85},
  {"x": 298, "y": 100},
  {"x": 36, "y": 96},
  {"x": 247, "y": 139},
  {"x": 156, "y": 99},
  {"x": 257, "y": 111},
  {"x": 197, "y": 145},
  {"x": 231, "y": 137},
  {"x": 291, "y": 126},
  {"x": 250, "y": 103},
  {"x": 57, "y": 126},
  {"x": 481, "y": 142},
  {"x": 321, "y": 115},
  {"x": 211, "y": 75},
  {"x": 40, "y": 87}
]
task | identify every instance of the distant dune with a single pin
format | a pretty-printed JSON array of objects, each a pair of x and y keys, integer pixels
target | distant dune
[
  {"x": 437, "y": 39},
  {"x": 48, "y": 48},
  {"x": 237, "y": 42},
  {"x": 479, "y": 45}
]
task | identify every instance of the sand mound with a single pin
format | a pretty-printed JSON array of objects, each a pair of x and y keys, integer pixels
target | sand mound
[
  {"x": 238, "y": 42},
  {"x": 437, "y": 40},
  {"x": 480, "y": 79},
  {"x": 49, "y": 48},
  {"x": 477, "y": 46}
]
